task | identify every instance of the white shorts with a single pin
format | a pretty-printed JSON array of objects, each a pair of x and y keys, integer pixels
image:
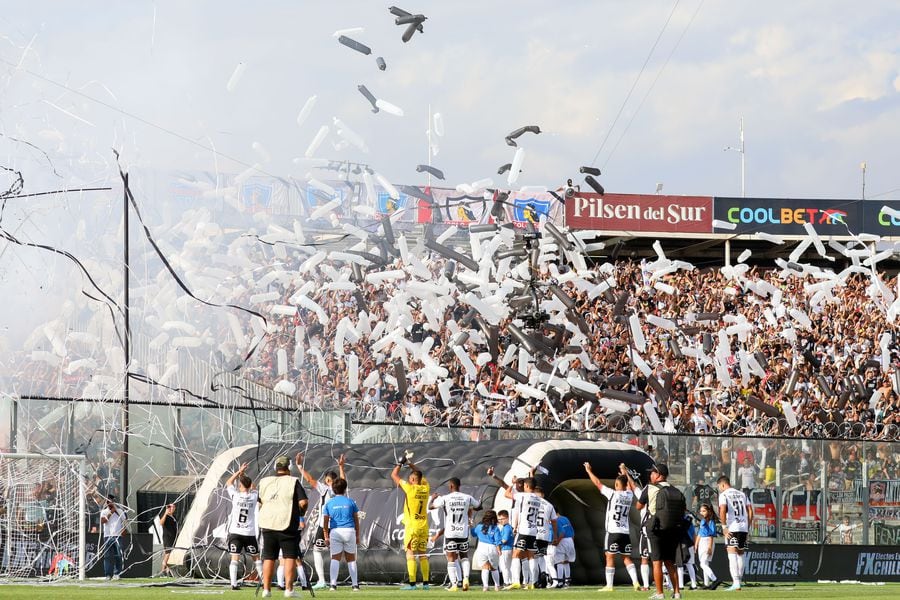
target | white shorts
[
  {"x": 565, "y": 551},
  {"x": 342, "y": 540},
  {"x": 486, "y": 554},
  {"x": 703, "y": 549}
]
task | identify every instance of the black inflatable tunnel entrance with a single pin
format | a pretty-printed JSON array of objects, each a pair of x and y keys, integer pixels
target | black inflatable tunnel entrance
[{"x": 200, "y": 545}]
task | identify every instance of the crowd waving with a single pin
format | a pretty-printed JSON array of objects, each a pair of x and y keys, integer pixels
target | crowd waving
[{"x": 795, "y": 350}]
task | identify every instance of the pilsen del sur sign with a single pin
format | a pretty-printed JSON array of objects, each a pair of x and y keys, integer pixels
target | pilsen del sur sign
[{"x": 640, "y": 212}]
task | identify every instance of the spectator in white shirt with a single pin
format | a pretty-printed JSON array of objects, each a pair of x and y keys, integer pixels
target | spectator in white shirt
[{"x": 112, "y": 519}]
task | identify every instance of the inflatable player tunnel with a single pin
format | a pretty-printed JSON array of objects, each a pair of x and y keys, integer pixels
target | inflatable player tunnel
[{"x": 560, "y": 472}]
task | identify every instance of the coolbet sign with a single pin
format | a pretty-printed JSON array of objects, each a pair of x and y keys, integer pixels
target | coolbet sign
[
  {"x": 787, "y": 216},
  {"x": 637, "y": 212}
]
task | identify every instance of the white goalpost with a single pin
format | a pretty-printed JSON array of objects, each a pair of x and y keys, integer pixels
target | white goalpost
[{"x": 42, "y": 516}]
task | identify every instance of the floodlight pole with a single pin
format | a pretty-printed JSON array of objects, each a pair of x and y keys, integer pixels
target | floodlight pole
[
  {"x": 428, "y": 134},
  {"x": 743, "y": 166},
  {"x": 863, "y": 167},
  {"x": 127, "y": 346}
]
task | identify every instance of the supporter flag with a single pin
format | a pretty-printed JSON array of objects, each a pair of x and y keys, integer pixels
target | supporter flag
[
  {"x": 256, "y": 196},
  {"x": 385, "y": 205},
  {"x": 316, "y": 197},
  {"x": 530, "y": 210},
  {"x": 455, "y": 208},
  {"x": 523, "y": 209},
  {"x": 425, "y": 213}
]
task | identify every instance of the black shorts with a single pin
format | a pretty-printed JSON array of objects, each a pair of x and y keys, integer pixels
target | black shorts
[
  {"x": 664, "y": 546},
  {"x": 239, "y": 543},
  {"x": 286, "y": 542},
  {"x": 319, "y": 542},
  {"x": 644, "y": 545},
  {"x": 168, "y": 543},
  {"x": 456, "y": 544},
  {"x": 737, "y": 539},
  {"x": 617, "y": 543},
  {"x": 540, "y": 547},
  {"x": 525, "y": 542}
]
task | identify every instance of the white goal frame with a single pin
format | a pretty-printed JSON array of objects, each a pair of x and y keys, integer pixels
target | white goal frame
[{"x": 77, "y": 463}]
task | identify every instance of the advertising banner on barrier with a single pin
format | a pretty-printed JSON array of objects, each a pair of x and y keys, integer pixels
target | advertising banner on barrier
[
  {"x": 887, "y": 535},
  {"x": 786, "y": 216},
  {"x": 640, "y": 212},
  {"x": 809, "y": 562}
]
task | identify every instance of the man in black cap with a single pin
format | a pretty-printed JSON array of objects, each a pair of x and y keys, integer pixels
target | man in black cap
[
  {"x": 282, "y": 503},
  {"x": 667, "y": 506}
]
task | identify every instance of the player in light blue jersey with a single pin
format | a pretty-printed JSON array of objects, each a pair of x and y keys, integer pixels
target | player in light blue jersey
[
  {"x": 487, "y": 554},
  {"x": 565, "y": 551},
  {"x": 341, "y": 529}
]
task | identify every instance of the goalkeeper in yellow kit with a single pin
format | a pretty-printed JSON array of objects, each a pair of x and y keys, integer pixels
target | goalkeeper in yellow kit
[{"x": 415, "y": 520}]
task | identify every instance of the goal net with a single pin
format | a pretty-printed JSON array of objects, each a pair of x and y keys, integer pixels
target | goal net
[{"x": 42, "y": 516}]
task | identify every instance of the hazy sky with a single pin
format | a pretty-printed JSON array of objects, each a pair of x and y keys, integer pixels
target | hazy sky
[{"x": 815, "y": 81}]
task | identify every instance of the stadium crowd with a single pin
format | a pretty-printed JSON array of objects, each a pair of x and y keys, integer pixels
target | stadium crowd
[{"x": 839, "y": 390}]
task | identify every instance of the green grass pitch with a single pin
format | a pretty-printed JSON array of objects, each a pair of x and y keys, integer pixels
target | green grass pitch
[{"x": 151, "y": 590}]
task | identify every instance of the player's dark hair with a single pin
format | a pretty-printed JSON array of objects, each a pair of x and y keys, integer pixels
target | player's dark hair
[
  {"x": 418, "y": 472},
  {"x": 245, "y": 481},
  {"x": 709, "y": 511},
  {"x": 723, "y": 479},
  {"x": 488, "y": 520},
  {"x": 339, "y": 486},
  {"x": 503, "y": 513},
  {"x": 330, "y": 475},
  {"x": 528, "y": 482},
  {"x": 622, "y": 479},
  {"x": 454, "y": 481}
]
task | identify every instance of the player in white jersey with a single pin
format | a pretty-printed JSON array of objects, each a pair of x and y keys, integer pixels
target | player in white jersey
[
  {"x": 457, "y": 510},
  {"x": 618, "y": 526},
  {"x": 527, "y": 514},
  {"x": 323, "y": 488},
  {"x": 643, "y": 536},
  {"x": 736, "y": 515},
  {"x": 242, "y": 522},
  {"x": 546, "y": 533}
]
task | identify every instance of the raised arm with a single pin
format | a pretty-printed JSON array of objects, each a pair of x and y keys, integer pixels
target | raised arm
[
  {"x": 341, "y": 473},
  {"x": 236, "y": 474},
  {"x": 306, "y": 474},
  {"x": 405, "y": 459},
  {"x": 497, "y": 480},
  {"x": 594, "y": 479},
  {"x": 632, "y": 486}
]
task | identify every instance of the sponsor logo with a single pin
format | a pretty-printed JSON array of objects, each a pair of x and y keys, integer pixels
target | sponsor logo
[
  {"x": 772, "y": 563},
  {"x": 878, "y": 563},
  {"x": 672, "y": 213},
  {"x": 786, "y": 216},
  {"x": 888, "y": 220}
]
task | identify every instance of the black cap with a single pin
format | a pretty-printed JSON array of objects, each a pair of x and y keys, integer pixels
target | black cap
[{"x": 663, "y": 470}]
